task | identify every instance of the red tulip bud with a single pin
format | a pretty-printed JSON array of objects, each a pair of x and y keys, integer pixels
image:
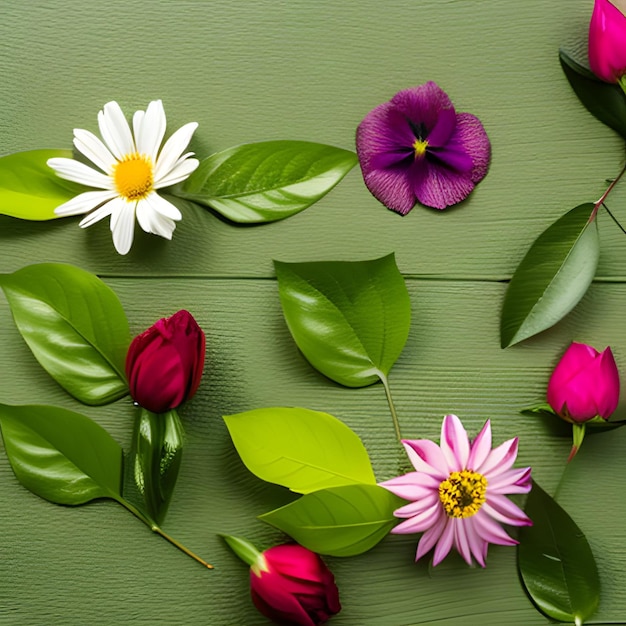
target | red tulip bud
[{"x": 607, "y": 41}]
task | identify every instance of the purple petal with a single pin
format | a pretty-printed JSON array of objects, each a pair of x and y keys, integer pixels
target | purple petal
[
  {"x": 439, "y": 136},
  {"x": 391, "y": 187},
  {"x": 491, "y": 531},
  {"x": 511, "y": 481},
  {"x": 505, "y": 512},
  {"x": 412, "y": 486},
  {"x": 451, "y": 156},
  {"x": 431, "y": 536},
  {"x": 439, "y": 187},
  {"x": 481, "y": 447},
  {"x": 446, "y": 539},
  {"x": 426, "y": 456},
  {"x": 454, "y": 443},
  {"x": 475, "y": 142},
  {"x": 423, "y": 104},
  {"x": 499, "y": 460},
  {"x": 420, "y": 522}
]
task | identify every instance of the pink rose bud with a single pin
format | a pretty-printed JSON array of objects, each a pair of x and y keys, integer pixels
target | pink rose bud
[
  {"x": 584, "y": 384},
  {"x": 607, "y": 41},
  {"x": 164, "y": 364}
]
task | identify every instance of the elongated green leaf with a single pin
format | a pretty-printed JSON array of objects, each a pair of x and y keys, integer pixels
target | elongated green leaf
[
  {"x": 157, "y": 455},
  {"x": 300, "y": 449},
  {"x": 75, "y": 326},
  {"x": 349, "y": 319},
  {"x": 556, "y": 563},
  {"x": 553, "y": 276},
  {"x": 605, "y": 101},
  {"x": 60, "y": 455},
  {"x": 267, "y": 181},
  {"x": 29, "y": 189},
  {"x": 339, "y": 521}
]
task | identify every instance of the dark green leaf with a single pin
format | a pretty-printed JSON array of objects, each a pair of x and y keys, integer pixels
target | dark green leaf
[
  {"x": 267, "y": 181},
  {"x": 349, "y": 319},
  {"x": 553, "y": 276},
  {"x": 556, "y": 563},
  {"x": 75, "y": 326},
  {"x": 339, "y": 521},
  {"x": 60, "y": 455}
]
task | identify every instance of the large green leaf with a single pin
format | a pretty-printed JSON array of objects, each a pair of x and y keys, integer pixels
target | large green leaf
[
  {"x": 605, "y": 101},
  {"x": 556, "y": 563},
  {"x": 300, "y": 449},
  {"x": 60, "y": 455},
  {"x": 553, "y": 276},
  {"x": 349, "y": 319},
  {"x": 75, "y": 326},
  {"x": 267, "y": 181},
  {"x": 29, "y": 189},
  {"x": 339, "y": 521}
]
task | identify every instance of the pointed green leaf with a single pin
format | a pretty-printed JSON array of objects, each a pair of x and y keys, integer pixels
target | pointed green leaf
[
  {"x": 607, "y": 102},
  {"x": 299, "y": 449},
  {"x": 556, "y": 563},
  {"x": 553, "y": 276},
  {"x": 60, "y": 455},
  {"x": 349, "y": 319},
  {"x": 339, "y": 521},
  {"x": 267, "y": 181},
  {"x": 29, "y": 189},
  {"x": 75, "y": 326}
]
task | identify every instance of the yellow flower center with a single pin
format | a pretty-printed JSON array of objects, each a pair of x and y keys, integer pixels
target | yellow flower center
[
  {"x": 463, "y": 493},
  {"x": 134, "y": 176},
  {"x": 419, "y": 147}
]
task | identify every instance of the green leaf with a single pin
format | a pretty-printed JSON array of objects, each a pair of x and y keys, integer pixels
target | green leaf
[
  {"x": 339, "y": 521},
  {"x": 556, "y": 563},
  {"x": 300, "y": 449},
  {"x": 29, "y": 189},
  {"x": 157, "y": 455},
  {"x": 60, "y": 455},
  {"x": 553, "y": 276},
  {"x": 75, "y": 326},
  {"x": 349, "y": 319},
  {"x": 605, "y": 101},
  {"x": 267, "y": 181}
]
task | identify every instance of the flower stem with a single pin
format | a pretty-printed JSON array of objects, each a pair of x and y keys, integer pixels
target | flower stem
[
  {"x": 614, "y": 218},
  {"x": 392, "y": 408},
  {"x": 599, "y": 203}
]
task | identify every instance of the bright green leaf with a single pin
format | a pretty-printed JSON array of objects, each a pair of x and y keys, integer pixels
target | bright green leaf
[
  {"x": 267, "y": 181},
  {"x": 339, "y": 521},
  {"x": 553, "y": 276},
  {"x": 556, "y": 563},
  {"x": 29, "y": 189},
  {"x": 60, "y": 455},
  {"x": 300, "y": 449},
  {"x": 75, "y": 326},
  {"x": 349, "y": 319}
]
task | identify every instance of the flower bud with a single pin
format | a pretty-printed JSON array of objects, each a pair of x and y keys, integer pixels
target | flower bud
[
  {"x": 584, "y": 384},
  {"x": 164, "y": 364},
  {"x": 607, "y": 41}
]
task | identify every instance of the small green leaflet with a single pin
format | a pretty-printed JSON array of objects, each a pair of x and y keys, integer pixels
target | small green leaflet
[
  {"x": 299, "y": 449},
  {"x": 29, "y": 189},
  {"x": 553, "y": 276},
  {"x": 267, "y": 181},
  {"x": 75, "y": 326},
  {"x": 556, "y": 563},
  {"x": 60, "y": 455},
  {"x": 339, "y": 521},
  {"x": 349, "y": 319}
]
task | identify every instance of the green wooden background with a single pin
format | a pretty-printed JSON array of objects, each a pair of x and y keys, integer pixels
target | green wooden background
[{"x": 277, "y": 69}]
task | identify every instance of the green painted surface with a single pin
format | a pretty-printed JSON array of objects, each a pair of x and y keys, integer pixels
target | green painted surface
[{"x": 300, "y": 70}]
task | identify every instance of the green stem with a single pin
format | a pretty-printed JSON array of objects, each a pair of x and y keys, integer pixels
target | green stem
[
  {"x": 603, "y": 197},
  {"x": 392, "y": 408},
  {"x": 614, "y": 218}
]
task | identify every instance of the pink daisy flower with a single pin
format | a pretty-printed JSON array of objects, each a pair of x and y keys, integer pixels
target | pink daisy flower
[{"x": 458, "y": 493}]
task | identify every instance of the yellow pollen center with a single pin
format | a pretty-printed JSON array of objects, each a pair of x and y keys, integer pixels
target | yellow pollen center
[
  {"x": 419, "y": 147},
  {"x": 134, "y": 176},
  {"x": 463, "y": 493}
]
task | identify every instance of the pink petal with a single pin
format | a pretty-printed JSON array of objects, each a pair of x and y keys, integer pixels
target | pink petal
[
  {"x": 418, "y": 523},
  {"x": 444, "y": 544},
  {"x": 412, "y": 486},
  {"x": 499, "y": 460},
  {"x": 454, "y": 443},
  {"x": 431, "y": 536},
  {"x": 511, "y": 481},
  {"x": 476, "y": 543},
  {"x": 491, "y": 531},
  {"x": 460, "y": 539},
  {"x": 607, "y": 385},
  {"x": 505, "y": 512},
  {"x": 416, "y": 508},
  {"x": 481, "y": 447},
  {"x": 607, "y": 34},
  {"x": 426, "y": 456}
]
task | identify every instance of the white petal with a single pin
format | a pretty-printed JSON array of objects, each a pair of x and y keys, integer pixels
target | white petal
[
  {"x": 123, "y": 226},
  {"x": 177, "y": 174},
  {"x": 115, "y": 130},
  {"x": 152, "y": 222},
  {"x": 84, "y": 202},
  {"x": 78, "y": 172},
  {"x": 137, "y": 120},
  {"x": 100, "y": 213},
  {"x": 164, "y": 207},
  {"x": 173, "y": 149},
  {"x": 152, "y": 130},
  {"x": 91, "y": 146}
]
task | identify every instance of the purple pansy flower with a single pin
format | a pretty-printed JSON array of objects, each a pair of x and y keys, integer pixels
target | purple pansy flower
[{"x": 417, "y": 147}]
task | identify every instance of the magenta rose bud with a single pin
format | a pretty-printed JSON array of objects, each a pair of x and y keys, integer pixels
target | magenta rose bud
[
  {"x": 584, "y": 384},
  {"x": 164, "y": 364},
  {"x": 607, "y": 42}
]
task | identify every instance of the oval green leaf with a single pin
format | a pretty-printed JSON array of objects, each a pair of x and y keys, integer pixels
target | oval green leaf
[
  {"x": 339, "y": 521},
  {"x": 556, "y": 563},
  {"x": 349, "y": 319},
  {"x": 29, "y": 189},
  {"x": 267, "y": 181},
  {"x": 299, "y": 449},
  {"x": 75, "y": 326},
  {"x": 60, "y": 455},
  {"x": 553, "y": 276}
]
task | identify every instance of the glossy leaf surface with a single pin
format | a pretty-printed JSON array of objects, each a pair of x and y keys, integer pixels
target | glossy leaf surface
[
  {"x": 300, "y": 449},
  {"x": 553, "y": 276},
  {"x": 267, "y": 181},
  {"x": 75, "y": 326},
  {"x": 349, "y": 319}
]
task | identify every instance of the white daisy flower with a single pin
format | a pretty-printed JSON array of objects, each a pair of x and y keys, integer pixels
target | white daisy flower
[{"x": 134, "y": 169}]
